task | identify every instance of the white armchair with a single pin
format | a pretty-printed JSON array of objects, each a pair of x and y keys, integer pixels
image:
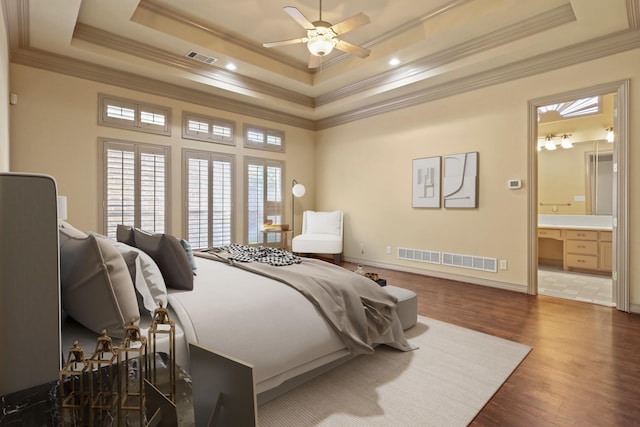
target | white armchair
[{"x": 321, "y": 234}]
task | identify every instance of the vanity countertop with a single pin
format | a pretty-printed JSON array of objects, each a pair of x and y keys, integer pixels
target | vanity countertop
[{"x": 577, "y": 222}]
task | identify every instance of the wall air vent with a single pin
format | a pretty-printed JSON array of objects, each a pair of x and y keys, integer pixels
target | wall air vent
[
  {"x": 469, "y": 261},
  {"x": 201, "y": 57},
  {"x": 419, "y": 255}
]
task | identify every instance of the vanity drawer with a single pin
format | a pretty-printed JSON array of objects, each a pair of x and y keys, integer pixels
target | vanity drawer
[
  {"x": 550, "y": 233},
  {"x": 588, "y": 262},
  {"x": 582, "y": 235},
  {"x": 585, "y": 247}
]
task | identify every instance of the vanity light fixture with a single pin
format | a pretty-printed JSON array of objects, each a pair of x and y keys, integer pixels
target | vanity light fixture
[
  {"x": 610, "y": 134},
  {"x": 549, "y": 145},
  {"x": 566, "y": 142}
]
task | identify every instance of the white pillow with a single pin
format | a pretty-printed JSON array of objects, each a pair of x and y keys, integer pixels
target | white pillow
[
  {"x": 148, "y": 278},
  {"x": 146, "y": 274},
  {"x": 323, "y": 222}
]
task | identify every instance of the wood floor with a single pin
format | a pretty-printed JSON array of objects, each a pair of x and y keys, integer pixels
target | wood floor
[{"x": 584, "y": 369}]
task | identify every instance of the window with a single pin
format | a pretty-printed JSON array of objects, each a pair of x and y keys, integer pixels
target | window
[
  {"x": 209, "y": 129},
  {"x": 264, "y": 198},
  {"x": 208, "y": 193},
  {"x": 133, "y": 115},
  {"x": 135, "y": 186},
  {"x": 263, "y": 138}
]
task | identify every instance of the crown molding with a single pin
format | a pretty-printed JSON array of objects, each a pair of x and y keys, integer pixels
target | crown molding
[
  {"x": 560, "y": 58},
  {"x": 219, "y": 77},
  {"x": 633, "y": 13},
  {"x": 16, "y": 16},
  {"x": 88, "y": 71},
  {"x": 173, "y": 15},
  {"x": 536, "y": 24}
]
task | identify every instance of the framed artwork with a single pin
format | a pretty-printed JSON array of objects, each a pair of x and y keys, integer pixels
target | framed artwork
[
  {"x": 426, "y": 182},
  {"x": 460, "y": 182}
]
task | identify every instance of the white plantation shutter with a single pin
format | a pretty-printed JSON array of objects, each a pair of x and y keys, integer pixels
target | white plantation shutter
[
  {"x": 120, "y": 189},
  {"x": 222, "y": 202},
  {"x": 198, "y": 202},
  {"x": 209, "y": 193},
  {"x": 152, "y": 192},
  {"x": 264, "y": 198},
  {"x": 135, "y": 184}
]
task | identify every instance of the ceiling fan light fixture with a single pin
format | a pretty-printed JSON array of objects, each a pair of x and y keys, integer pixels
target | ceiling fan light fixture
[{"x": 321, "y": 41}]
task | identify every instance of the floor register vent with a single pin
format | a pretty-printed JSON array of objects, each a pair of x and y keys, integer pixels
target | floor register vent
[
  {"x": 419, "y": 255},
  {"x": 452, "y": 260},
  {"x": 470, "y": 261}
]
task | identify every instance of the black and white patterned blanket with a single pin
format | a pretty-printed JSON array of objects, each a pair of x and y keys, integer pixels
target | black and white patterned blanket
[{"x": 265, "y": 255}]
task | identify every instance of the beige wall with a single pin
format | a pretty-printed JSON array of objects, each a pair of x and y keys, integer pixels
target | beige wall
[
  {"x": 55, "y": 131},
  {"x": 365, "y": 167},
  {"x": 4, "y": 95}
]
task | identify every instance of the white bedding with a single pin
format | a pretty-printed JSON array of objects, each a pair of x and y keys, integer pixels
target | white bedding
[{"x": 256, "y": 319}]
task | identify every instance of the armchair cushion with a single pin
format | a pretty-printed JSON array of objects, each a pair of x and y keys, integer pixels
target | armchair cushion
[{"x": 323, "y": 223}]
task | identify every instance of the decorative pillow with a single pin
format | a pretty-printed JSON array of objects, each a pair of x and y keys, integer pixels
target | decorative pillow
[
  {"x": 70, "y": 230},
  {"x": 145, "y": 274},
  {"x": 171, "y": 258},
  {"x": 323, "y": 222},
  {"x": 124, "y": 234},
  {"x": 96, "y": 288},
  {"x": 192, "y": 260}
]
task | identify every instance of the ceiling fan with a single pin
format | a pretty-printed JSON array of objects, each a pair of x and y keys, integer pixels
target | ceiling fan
[{"x": 322, "y": 37}]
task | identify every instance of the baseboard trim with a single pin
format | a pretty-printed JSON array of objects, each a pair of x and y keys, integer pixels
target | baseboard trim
[
  {"x": 442, "y": 275},
  {"x": 634, "y": 308}
]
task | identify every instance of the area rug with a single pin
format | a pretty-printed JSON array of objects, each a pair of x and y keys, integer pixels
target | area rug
[{"x": 445, "y": 382}]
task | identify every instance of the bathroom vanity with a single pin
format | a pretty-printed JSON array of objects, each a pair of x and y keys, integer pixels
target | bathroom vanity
[{"x": 576, "y": 242}]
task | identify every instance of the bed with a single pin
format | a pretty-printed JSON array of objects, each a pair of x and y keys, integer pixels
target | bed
[{"x": 255, "y": 316}]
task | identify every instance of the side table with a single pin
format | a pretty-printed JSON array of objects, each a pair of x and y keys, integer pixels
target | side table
[{"x": 284, "y": 237}]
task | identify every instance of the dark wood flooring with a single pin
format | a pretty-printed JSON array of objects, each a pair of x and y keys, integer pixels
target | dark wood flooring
[{"x": 584, "y": 369}]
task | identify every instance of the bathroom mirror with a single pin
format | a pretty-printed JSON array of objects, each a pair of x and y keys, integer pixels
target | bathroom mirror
[{"x": 576, "y": 178}]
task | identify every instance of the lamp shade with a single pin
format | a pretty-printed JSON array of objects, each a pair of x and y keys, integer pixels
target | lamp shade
[
  {"x": 62, "y": 208},
  {"x": 298, "y": 190}
]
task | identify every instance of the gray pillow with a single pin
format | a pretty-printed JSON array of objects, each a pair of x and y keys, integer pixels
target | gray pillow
[
  {"x": 170, "y": 256},
  {"x": 97, "y": 290},
  {"x": 124, "y": 234}
]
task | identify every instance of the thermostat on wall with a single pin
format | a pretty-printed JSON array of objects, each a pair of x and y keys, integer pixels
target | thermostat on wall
[{"x": 514, "y": 184}]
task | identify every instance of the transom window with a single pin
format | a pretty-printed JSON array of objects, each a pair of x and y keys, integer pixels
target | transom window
[
  {"x": 209, "y": 129},
  {"x": 134, "y": 115},
  {"x": 571, "y": 109},
  {"x": 263, "y": 138}
]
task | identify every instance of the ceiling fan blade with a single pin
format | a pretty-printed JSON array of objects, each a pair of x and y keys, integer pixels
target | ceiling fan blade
[
  {"x": 351, "y": 23},
  {"x": 299, "y": 17},
  {"x": 314, "y": 61},
  {"x": 284, "y": 42},
  {"x": 352, "y": 49}
]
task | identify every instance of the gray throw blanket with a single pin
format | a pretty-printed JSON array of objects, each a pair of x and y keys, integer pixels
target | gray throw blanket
[{"x": 358, "y": 309}]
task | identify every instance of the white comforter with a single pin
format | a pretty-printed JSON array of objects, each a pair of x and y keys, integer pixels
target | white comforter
[{"x": 255, "y": 319}]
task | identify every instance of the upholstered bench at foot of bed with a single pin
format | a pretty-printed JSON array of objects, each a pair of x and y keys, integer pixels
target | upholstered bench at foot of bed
[{"x": 407, "y": 305}]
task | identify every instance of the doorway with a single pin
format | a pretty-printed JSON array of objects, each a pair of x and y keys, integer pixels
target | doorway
[{"x": 579, "y": 204}]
